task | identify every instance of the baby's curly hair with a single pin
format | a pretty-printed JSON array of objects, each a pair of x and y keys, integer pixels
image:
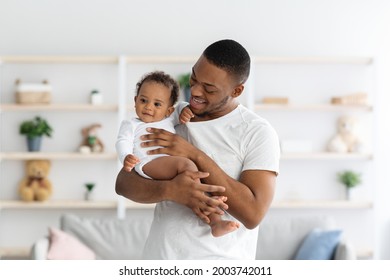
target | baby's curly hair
[{"x": 161, "y": 78}]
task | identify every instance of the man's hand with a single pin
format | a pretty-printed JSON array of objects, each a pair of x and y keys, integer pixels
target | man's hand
[
  {"x": 172, "y": 144},
  {"x": 186, "y": 115},
  {"x": 129, "y": 162},
  {"x": 186, "y": 189}
]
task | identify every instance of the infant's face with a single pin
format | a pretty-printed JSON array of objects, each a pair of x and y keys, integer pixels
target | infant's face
[{"x": 153, "y": 102}]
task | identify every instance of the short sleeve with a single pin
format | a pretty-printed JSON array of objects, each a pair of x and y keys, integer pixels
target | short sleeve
[{"x": 262, "y": 151}]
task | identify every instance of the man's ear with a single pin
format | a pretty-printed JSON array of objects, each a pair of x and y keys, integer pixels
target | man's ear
[
  {"x": 169, "y": 111},
  {"x": 238, "y": 90}
]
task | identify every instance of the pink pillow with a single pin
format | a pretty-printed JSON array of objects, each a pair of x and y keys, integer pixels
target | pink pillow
[{"x": 64, "y": 246}]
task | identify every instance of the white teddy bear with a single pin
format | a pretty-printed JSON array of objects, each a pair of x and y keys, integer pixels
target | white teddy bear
[{"x": 346, "y": 140}]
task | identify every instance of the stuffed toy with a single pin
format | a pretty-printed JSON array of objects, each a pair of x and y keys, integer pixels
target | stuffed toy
[
  {"x": 91, "y": 143},
  {"x": 346, "y": 140},
  {"x": 35, "y": 185}
]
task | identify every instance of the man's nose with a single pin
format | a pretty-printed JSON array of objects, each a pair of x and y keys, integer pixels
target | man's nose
[{"x": 196, "y": 90}]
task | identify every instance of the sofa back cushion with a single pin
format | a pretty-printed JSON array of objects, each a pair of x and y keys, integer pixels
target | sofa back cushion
[
  {"x": 280, "y": 238},
  {"x": 110, "y": 239}
]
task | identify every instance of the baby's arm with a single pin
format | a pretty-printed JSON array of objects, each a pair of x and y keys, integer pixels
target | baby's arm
[
  {"x": 185, "y": 115},
  {"x": 129, "y": 162}
]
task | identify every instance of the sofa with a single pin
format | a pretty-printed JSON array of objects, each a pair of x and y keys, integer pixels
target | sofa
[{"x": 114, "y": 239}]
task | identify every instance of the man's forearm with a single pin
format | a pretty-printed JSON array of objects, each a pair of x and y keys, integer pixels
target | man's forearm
[{"x": 139, "y": 189}]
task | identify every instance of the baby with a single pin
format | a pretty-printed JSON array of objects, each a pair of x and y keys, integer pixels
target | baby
[{"x": 156, "y": 94}]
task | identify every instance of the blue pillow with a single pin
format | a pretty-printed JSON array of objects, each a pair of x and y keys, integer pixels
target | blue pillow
[{"x": 319, "y": 245}]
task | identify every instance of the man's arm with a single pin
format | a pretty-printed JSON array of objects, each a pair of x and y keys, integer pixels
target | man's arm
[
  {"x": 249, "y": 197},
  {"x": 183, "y": 189}
]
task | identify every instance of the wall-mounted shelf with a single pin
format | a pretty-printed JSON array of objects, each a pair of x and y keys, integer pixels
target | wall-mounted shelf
[
  {"x": 59, "y": 107},
  {"x": 326, "y": 156},
  {"x": 70, "y": 204},
  {"x": 57, "y": 156},
  {"x": 312, "y": 107},
  {"x": 58, "y": 59},
  {"x": 313, "y": 60},
  {"x": 321, "y": 204},
  {"x": 81, "y": 204}
]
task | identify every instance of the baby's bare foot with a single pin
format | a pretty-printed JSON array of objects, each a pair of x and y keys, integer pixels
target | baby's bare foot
[{"x": 221, "y": 228}]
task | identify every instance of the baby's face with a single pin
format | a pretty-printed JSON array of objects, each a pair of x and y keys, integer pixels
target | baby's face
[{"x": 153, "y": 102}]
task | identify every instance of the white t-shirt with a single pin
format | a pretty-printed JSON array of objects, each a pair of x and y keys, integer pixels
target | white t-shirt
[{"x": 238, "y": 141}]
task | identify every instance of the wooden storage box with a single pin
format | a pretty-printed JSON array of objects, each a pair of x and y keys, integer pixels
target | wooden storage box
[{"x": 30, "y": 93}]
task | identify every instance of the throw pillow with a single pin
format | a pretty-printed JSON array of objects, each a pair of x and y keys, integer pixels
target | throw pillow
[
  {"x": 319, "y": 245},
  {"x": 64, "y": 246}
]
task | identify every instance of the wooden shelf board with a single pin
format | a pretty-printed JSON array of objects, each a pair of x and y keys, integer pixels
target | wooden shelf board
[
  {"x": 312, "y": 107},
  {"x": 58, "y": 107},
  {"x": 60, "y": 156},
  {"x": 57, "y": 204},
  {"x": 314, "y": 60},
  {"x": 58, "y": 59},
  {"x": 179, "y": 59},
  {"x": 321, "y": 204},
  {"x": 81, "y": 204},
  {"x": 161, "y": 59},
  {"x": 70, "y": 204},
  {"x": 326, "y": 156}
]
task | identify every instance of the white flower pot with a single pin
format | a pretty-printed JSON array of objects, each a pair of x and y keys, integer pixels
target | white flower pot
[{"x": 96, "y": 98}]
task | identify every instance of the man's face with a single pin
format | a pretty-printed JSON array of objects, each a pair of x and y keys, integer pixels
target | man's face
[{"x": 212, "y": 91}]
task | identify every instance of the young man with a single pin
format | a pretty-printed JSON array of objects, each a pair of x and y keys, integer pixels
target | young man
[{"x": 237, "y": 152}]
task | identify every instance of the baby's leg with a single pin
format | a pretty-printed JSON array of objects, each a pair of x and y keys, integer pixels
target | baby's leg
[
  {"x": 167, "y": 167},
  {"x": 221, "y": 227}
]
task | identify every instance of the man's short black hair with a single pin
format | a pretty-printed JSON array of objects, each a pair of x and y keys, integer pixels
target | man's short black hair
[
  {"x": 161, "y": 78},
  {"x": 230, "y": 56}
]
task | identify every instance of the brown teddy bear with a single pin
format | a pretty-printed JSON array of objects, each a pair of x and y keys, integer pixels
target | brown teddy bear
[
  {"x": 35, "y": 185},
  {"x": 91, "y": 142}
]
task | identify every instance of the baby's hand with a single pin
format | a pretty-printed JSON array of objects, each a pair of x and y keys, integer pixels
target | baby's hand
[
  {"x": 129, "y": 162},
  {"x": 186, "y": 115}
]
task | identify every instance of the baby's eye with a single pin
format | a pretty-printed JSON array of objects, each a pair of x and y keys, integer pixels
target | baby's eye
[
  {"x": 143, "y": 100},
  {"x": 157, "y": 104}
]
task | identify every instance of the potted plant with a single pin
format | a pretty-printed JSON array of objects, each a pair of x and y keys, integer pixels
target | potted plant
[
  {"x": 34, "y": 130},
  {"x": 96, "y": 97},
  {"x": 349, "y": 179},
  {"x": 89, "y": 193},
  {"x": 184, "y": 83}
]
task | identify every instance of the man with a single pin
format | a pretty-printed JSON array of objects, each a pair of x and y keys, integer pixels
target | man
[{"x": 237, "y": 152}]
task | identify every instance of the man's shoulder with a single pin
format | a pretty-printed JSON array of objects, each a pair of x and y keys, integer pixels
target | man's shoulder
[{"x": 251, "y": 117}]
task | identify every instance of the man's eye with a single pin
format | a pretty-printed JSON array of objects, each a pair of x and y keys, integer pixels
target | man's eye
[{"x": 209, "y": 90}]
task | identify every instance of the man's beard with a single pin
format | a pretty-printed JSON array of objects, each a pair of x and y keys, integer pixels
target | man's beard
[{"x": 213, "y": 110}]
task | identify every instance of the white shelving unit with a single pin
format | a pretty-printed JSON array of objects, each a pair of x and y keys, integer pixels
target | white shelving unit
[
  {"x": 119, "y": 107},
  {"x": 311, "y": 184}
]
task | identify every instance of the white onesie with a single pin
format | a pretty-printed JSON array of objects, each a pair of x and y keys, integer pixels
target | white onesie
[{"x": 129, "y": 142}]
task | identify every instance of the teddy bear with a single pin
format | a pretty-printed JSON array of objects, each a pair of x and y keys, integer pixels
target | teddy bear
[
  {"x": 346, "y": 140},
  {"x": 91, "y": 143},
  {"x": 35, "y": 185}
]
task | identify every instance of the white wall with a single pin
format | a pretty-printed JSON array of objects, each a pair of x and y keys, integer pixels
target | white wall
[{"x": 279, "y": 27}]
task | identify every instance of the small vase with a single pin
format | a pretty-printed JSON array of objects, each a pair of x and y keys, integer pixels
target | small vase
[
  {"x": 348, "y": 193},
  {"x": 96, "y": 98},
  {"x": 89, "y": 196},
  {"x": 34, "y": 144}
]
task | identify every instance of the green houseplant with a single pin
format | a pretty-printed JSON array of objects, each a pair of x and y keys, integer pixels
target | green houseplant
[
  {"x": 88, "y": 193},
  {"x": 349, "y": 179},
  {"x": 34, "y": 130},
  {"x": 184, "y": 83}
]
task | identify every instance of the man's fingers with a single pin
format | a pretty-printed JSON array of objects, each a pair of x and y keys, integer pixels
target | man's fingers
[{"x": 201, "y": 215}]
